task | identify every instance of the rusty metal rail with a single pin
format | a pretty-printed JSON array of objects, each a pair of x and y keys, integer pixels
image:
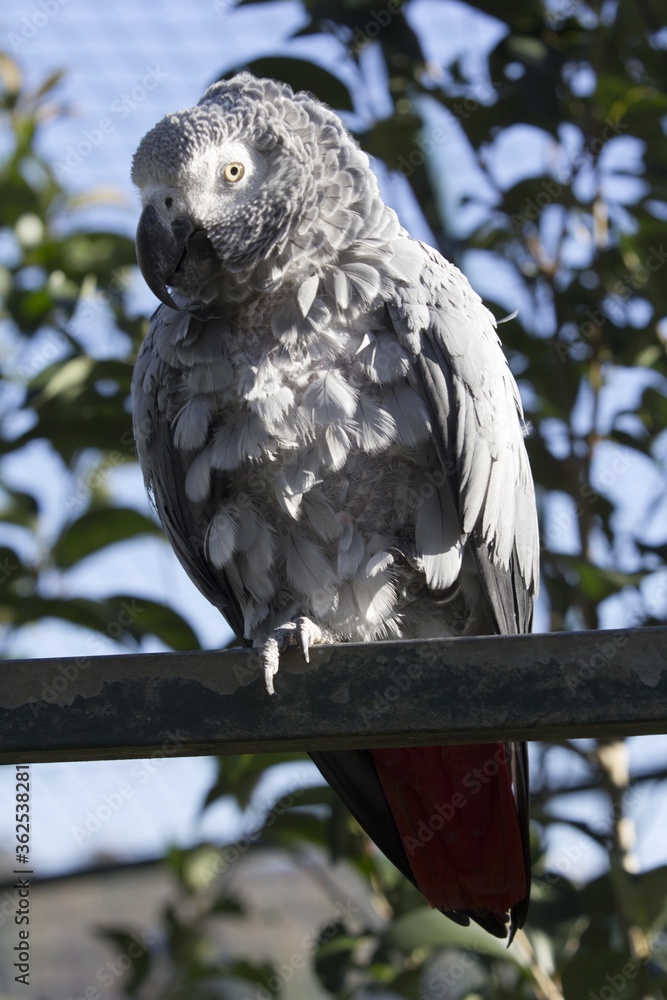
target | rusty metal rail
[{"x": 467, "y": 690}]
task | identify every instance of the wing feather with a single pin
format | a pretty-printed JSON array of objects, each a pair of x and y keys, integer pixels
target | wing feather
[
  {"x": 186, "y": 523},
  {"x": 477, "y": 421},
  {"x": 477, "y": 424}
]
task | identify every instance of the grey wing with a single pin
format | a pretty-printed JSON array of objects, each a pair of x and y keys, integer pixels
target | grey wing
[
  {"x": 478, "y": 430},
  {"x": 477, "y": 425},
  {"x": 155, "y": 408}
]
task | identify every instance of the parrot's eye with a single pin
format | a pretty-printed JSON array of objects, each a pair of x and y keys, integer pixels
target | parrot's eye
[{"x": 233, "y": 172}]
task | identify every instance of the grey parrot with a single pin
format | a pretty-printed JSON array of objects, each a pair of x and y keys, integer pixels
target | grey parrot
[{"x": 333, "y": 442}]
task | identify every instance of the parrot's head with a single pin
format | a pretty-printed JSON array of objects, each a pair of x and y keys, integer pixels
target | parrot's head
[{"x": 253, "y": 179}]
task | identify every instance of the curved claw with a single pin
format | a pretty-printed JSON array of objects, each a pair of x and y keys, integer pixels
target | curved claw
[
  {"x": 303, "y": 633},
  {"x": 307, "y": 634},
  {"x": 270, "y": 663}
]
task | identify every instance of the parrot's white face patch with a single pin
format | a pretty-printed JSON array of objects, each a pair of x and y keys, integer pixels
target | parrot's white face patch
[
  {"x": 215, "y": 180},
  {"x": 228, "y": 174}
]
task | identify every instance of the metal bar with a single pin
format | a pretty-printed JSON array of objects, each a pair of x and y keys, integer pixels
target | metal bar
[{"x": 469, "y": 690}]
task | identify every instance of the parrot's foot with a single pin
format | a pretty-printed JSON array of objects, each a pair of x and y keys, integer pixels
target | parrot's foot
[{"x": 303, "y": 633}]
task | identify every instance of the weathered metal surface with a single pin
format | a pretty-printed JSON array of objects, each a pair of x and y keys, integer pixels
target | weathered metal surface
[{"x": 357, "y": 695}]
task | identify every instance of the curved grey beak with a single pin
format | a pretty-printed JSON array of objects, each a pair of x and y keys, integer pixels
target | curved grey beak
[{"x": 160, "y": 249}]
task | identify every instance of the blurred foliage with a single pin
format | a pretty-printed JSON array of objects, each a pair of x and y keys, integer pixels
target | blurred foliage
[
  {"x": 57, "y": 285},
  {"x": 572, "y": 95}
]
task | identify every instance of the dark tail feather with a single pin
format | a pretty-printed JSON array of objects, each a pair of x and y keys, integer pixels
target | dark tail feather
[{"x": 452, "y": 819}]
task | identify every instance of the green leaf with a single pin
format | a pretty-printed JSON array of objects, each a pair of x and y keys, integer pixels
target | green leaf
[
  {"x": 14, "y": 577},
  {"x": 141, "y": 617},
  {"x": 394, "y": 140},
  {"x": 333, "y": 957},
  {"x": 239, "y": 774},
  {"x": 293, "y": 829},
  {"x": 49, "y": 83},
  {"x": 301, "y": 74},
  {"x": 98, "y": 528},
  {"x": 259, "y": 974},
  {"x": 426, "y": 928},
  {"x": 131, "y": 953},
  {"x": 94, "y": 615},
  {"x": 67, "y": 380},
  {"x": 19, "y": 508},
  {"x": 228, "y": 906},
  {"x": 187, "y": 944}
]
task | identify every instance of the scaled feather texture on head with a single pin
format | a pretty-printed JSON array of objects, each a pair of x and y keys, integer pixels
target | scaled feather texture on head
[{"x": 327, "y": 424}]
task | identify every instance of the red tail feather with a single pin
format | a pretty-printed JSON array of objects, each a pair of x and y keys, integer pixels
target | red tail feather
[{"x": 457, "y": 817}]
